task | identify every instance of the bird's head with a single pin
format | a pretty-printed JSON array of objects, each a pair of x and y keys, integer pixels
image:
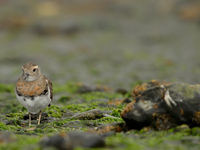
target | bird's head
[{"x": 30, "y": 72}]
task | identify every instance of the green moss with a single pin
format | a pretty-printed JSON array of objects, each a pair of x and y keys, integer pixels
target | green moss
[
  {"x": 80, "y": 107},
  {"x": 72, "y": 102},
  {"x": 153, "y": 140},
  {"x": 4, "y": 127},
  {"x": 117, "y": 111},
  {"x": 54, "y": 111},
  {"x": 195, "y": 131},
  {"x": 6, "y": 88},
  {"x": 107, "y": 120},
  {"x": 22, "y": 142},
  {"x": 17, "y": 115}
]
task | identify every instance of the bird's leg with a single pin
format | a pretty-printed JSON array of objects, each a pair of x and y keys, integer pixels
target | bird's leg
[
  {"x": 29, "y": 121},
  {"x": 39, "y": 118}
]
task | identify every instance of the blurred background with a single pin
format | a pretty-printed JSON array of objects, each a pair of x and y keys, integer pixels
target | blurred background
[{"x": 112, "y": 42}]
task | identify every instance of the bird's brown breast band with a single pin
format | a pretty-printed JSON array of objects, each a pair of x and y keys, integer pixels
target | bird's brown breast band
[{"x": 33, "y": 88}]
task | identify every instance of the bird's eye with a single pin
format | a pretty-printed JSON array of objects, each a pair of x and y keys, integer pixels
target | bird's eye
[{"x": 34, "y": 70}]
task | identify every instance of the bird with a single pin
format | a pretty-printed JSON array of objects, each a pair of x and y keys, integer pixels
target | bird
[{"x": 34, "y": 90}]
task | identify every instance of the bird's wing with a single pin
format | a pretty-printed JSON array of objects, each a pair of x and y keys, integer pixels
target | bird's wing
[{"x": 50, "y": 86}]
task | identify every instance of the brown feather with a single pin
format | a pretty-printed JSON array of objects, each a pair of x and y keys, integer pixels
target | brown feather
[{"x": 33, "y": 88}]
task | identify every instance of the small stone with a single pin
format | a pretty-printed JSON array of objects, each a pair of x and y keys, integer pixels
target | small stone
[
  {"x": 90, "y": 115},
  {"x": 121, "y": 91},
  {"x": 69, "y": 141}
]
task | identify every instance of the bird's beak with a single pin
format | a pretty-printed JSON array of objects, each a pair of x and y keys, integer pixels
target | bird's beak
[{"x": 26, "y": 75}]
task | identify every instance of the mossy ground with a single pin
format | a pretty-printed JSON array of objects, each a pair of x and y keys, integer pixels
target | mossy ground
[{"x": 67, "y": 103}]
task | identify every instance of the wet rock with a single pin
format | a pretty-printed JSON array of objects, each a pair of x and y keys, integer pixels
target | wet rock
[
  {"x": 69, "y": 141},
  {"x": 76, "y": 124},
  {"x": 90, "y": 115},
  {"x": 163, "y": 105},
  {"x": 68, "y": 114}
]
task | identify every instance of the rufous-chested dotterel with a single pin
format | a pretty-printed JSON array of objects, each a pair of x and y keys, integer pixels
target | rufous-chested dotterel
[{"x": 34, "y": 90}]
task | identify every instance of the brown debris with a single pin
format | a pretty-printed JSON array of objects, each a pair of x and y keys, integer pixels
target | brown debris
[
  {"x": 162, "y": 121},
  {"x": 119, "y": 102},
  {"x": 196, "y": 117},
  {"x": 139, "y": 89},
  {"x": 190, "y": 11},
  {"x": 181, "y": 111},
  {"x": 115, "y": 102},
  {"x": 128, "y": 108},
  {"x": 109, "y": 128}
]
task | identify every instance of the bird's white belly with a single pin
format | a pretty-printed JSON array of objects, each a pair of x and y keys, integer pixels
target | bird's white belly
[{"x": 36, "y": 104}]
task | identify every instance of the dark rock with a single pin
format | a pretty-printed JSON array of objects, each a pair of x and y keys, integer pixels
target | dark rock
[
  {"x": 59, "y": 141},
  {"x": 121, "y": 91},
  {"x": 163, "y": 105},
  {"x": 126, "y": 101},
  {"x": 72, "y": 140},
  {"x": 70, "y": 29},
  {"x": 87, "y": 140}
]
